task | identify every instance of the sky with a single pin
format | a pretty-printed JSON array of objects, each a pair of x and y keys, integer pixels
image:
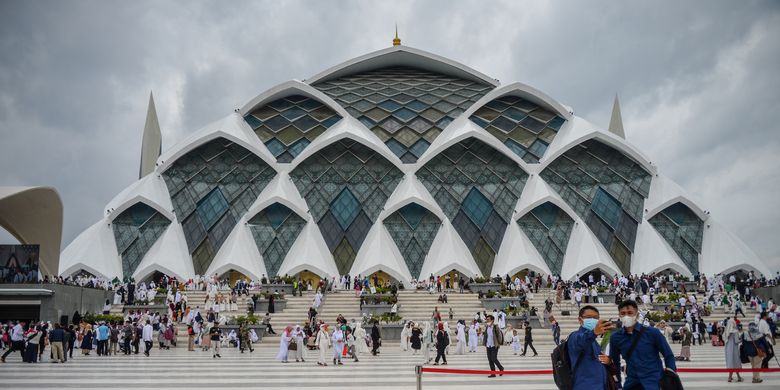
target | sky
[{"x": 697, "y": 81}]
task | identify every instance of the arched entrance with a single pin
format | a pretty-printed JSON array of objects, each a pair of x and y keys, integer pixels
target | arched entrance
[
  {"x": 381, "y": 278},
  {"x": 596, "y": 273},
  {"x": 234, "y": 276},
  {"x": 307, "y": 277}
]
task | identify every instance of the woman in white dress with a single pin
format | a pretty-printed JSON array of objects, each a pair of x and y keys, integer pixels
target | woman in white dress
[
  {"x": 117, "y": 298},
  {"x": 323, "y": 343},
  {"x": 298, "y": 336},
  {"x": 427, "y": 341},
  {"x": 473, "y": 337},
  {"x": 405, "y": 334},
  {"x": 338, "y": 339},
  {"x": 460, "y": 349},
  {"x": 284, "y": 343},
  {"x": 360, "y": 339}
]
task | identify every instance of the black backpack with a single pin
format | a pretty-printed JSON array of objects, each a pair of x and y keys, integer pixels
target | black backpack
[{"x": 563, "y": 372}]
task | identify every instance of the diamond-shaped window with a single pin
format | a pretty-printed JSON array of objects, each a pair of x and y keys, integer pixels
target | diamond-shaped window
[
  {"x": 477, "y": 207},
  {"x": 345, "y": 208}
]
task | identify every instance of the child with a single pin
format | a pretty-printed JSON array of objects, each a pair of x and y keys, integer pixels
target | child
[{"x": 515, "y": 341}]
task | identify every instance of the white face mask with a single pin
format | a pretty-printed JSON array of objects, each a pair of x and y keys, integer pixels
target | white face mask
[{"x": 628, "y": 321}]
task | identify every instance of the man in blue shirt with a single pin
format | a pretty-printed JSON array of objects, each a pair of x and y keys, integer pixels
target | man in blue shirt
[
  {"x": 103, "y": 331},
  {"x": 643, "y": 367},
  {"x": 587, "y": 361}
]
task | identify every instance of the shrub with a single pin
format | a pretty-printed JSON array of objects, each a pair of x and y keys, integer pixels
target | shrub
[
  {"x": 94, "y": 318},
  {"x": 250, "y": 319}
]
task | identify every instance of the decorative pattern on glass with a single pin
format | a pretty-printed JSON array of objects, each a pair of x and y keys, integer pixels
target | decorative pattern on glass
[
  {"x": 683, "y": 230},
  {"x": 549, "y": 228},
  {"x": 413, "y": 229},
  {"x": 406, "y": 108},
  {"x": 275, "y": 229},
  {"x": 135, "y": 231},
  {"x": 345, "y": 186},
  {"x": 211, "y": 187},
  {"x": 477, "y": 187},
  {"x": 288, "y": 125},
  {"x": 607, "y": 190}
]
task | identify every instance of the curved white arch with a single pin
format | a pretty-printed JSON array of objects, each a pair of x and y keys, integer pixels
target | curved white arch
[
  {"x": 130, "y": 202},
  {"x": 93, "y": 250},
  {"x": 309, "y": 252},
  {"x": 280, "y": 190},
  {"x": 410, "y": 190},
  {"x": 585, "y": 253},
  {"x": 448, "y": 251},
  {"x": 581, "y": 131},
  {"x": 462, "y": 129},
  {"x": 723, "y": 251},
  {"x": 350, "y": 128},
  {"x": 33, "y": 215},
  {"x": 524, "y": 91},
  {"x": 169, "y": 254},
  {"x": 143, "y": 273},
  {"x": 537, "y": 192},
  {"x": 517, "y": 252},
  {"x": 652, "y": 253},
  {"x": 664, "y": 192},
  {"x": 232, "y": 128},
  {"x": 322, "y": 273},
  {"x": 240, "y": 252},
  {"x": 150, "y": 190},
  {"x": 529, "y": 266},
  {"x": 379, "y": 251},
  {"x": 289, "y": 88},
  {"x": 402, "y": 56}
]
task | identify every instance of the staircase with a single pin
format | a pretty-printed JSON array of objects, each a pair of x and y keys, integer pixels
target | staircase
[
  {"x": 296, "y": 312},
  {"x": 418, "y": 306}
]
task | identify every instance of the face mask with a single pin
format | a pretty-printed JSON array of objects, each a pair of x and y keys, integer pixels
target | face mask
[
  {"x": 590, "y": 323},
  {"x": 628, "y": 321}
]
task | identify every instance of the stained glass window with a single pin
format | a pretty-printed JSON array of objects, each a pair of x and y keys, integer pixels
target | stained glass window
[
  {"x": 522, "y": 126},
  {"x": 404, "y": 105},
  {"x": 607, "y": 189},
  {"x": 211, "y": 187},
  {"x": 477, "y": 187}
]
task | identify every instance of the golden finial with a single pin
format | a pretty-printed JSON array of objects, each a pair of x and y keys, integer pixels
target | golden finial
[{"x": 396, "y": 40}]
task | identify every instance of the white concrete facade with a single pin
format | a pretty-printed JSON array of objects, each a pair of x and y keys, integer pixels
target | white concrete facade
[{"x": 96, "y": 251}]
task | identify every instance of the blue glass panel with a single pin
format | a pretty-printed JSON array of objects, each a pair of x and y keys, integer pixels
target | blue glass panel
[
  {"x": 253, "y": 122},
  {"x": 538, "y": 148},
  {"x": 546, "y": 212},
  {"x": 275, "y": 146},
  {"x": 417, "y": 105},
  {"x": 479, "y": 121},
  {"x": 140, "y": 213},
  {"x": 515, "y": 114},
  {"x": 678, "y": 213},
  {"x": 405, "y": 114},
  {"x": 366, "y": 121},
  {"x": 331, "y": 121},
  {"x": 515, "y": 147},
  {"x": 389, "y": 105},
  {"x": 606, "y": 207},
  {"x": 211, "y": 208},
  {"x": 532, "y": 124},
  {"x": 276, "y": 123},
  {"x": 276, "y": 214},
  {"x": 477, "y": 207},
  {"x": 297, "y": 147},
  {"x": 419, "y": 147},
  {"x": 396, "y": 147},
  {"x": 293, "y": 113},
  {"x": 345, "y": 208},
  {"x": 556, "y": 123},
  {"x": 413, "y": 213}
]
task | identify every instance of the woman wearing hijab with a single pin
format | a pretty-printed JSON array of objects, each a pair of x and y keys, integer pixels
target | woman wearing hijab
[
  {"x": 473, "y": 337},
  {"x": 460, "y": 349},
  {"x": 405, "y": 334},
  {"x": 284, "y": 343},
  {"x": 298, "y": 335},
  {"x": 323, "y": 343},
  {"x": 756, "y": 348},
  {"x": 86, "y": 341},
  {"x": 427, "y": 340},
  {"x": 732, "y": 335},
  {"x": 360, "y": 339},
  {"x": 338, "y": 344},
  {"x": 442, "y": 341},
  {"x": 416, "y": 339}
]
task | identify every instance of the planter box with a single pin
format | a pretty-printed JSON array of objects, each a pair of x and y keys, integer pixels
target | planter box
[
  {"x": 484, "y": 287},
  {"x": 607, "y": 297},
  {"x": 152, "y": 308},
  {"x": 517, "y": 321},
  {"x": 259, "y": 329},
  {"x": 280, "y": 288},
  {"x": 391, "y": 333},
  {"x": 376, "y": 310},
  {"x": 261, "y": 307},
  {"x": 498, "y": 303}
]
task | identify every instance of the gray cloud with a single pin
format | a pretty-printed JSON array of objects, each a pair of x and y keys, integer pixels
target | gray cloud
[{"x": 697, "y": 81}]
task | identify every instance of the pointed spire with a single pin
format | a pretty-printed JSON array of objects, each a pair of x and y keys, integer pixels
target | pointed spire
[
  {"x": 151, "y": 144},
  {"x": 616, "y": 122},
  {"x": 396, "y": 40}
]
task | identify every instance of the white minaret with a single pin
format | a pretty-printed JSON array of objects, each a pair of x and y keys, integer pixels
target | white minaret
[
  {"x": 616, "y": 122},
  {"x": 151, "y": 145}
]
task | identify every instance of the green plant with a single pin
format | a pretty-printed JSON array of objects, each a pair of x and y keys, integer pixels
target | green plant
[
  {"x": 657, "y": 316},
  {"x": 481, "y": 279},
  {"x": 389, "y": 318},
  {"x": 250, "y": 319},
  {"x": 490, "y": 294},
  {"x": 93, "y": 318},
  {"x": 377, "y": 299}
]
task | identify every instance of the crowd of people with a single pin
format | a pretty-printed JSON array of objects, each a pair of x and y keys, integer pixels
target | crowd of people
[{"x": 594, "y": 351}]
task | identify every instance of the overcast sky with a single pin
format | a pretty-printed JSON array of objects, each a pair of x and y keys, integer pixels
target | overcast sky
[{"x": 697, "y": 81}]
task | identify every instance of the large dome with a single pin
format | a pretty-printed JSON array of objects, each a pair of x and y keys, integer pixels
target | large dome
[{"x": 411, "y": 164}]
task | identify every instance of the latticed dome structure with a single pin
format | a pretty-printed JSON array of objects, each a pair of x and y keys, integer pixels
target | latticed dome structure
[{"x": 411, "y": 164}]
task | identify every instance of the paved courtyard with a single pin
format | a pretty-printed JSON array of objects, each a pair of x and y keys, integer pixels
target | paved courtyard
[{"x": 179, "y": 369}]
